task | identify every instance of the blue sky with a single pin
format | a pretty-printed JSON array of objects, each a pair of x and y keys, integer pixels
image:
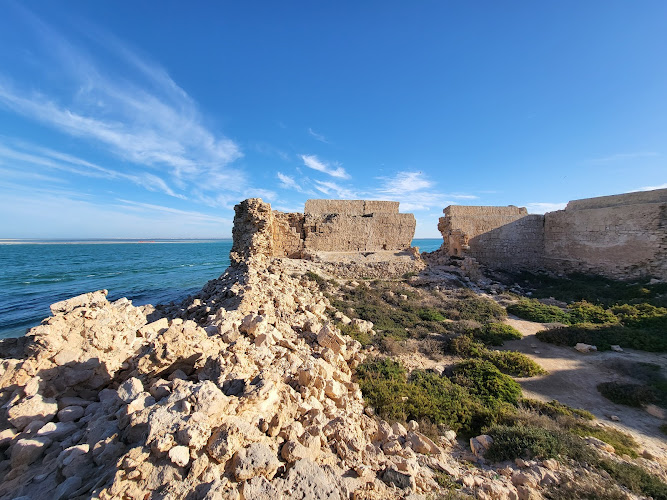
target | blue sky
[{"x": 153, "y": 119}]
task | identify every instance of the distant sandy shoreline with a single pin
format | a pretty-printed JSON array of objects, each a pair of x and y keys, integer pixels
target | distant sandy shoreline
[{"x": 102, "y": 242}]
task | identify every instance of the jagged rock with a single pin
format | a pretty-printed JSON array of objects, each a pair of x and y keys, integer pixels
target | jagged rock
[
  {"x": 26, "y": 451},
  {"x": 180, "y": 455},
  {"x": 57, "y": 430},
  {"x": 91, "y": 299},
  {"x": 480, "y": 444},
  {"x": 255, "y": 460},
  {"x": 421, "y": 444},
  {"x": 584, "y": 348},
  {"x": 399, "y": 479},
  {"x": 70, "y": 413},
  {"x": 34, "y": 408},
  {"x": 66, "y": 489},
  {"x": 306, "y": 480},
  {"x": 130, "y": 389}
]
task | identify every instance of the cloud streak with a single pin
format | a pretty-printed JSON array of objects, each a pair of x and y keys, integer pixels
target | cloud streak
[
  {"x": 134, "y": 110},
  {"x": 312, "y": 161}
]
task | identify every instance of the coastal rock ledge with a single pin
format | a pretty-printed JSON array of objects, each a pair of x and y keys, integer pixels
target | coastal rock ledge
[{"x": 244, "y": 391}]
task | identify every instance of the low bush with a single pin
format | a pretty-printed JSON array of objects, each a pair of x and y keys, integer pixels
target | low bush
[
  {"x": 514, "y": 363},
  {"x": 509, "y": 362},
  {"x": 554, "y": 409},
  {"x": 585, "y": 312},
  {"x": 635, "y": 478},
  {"x": 623, "y": 444},
  {"x": 496, "y": 334},
  {"x": 469, "y": 305},
  {"x": 425, "y": 396},
  {"x": 604, "y": 336},
  {"x": 533, "y": 310},
  {"x": 594, "y": 289},
  {"x": 510, "y": 442},
  {"x": 628, "y": 394},
  {"x": 483, "y": 379}
]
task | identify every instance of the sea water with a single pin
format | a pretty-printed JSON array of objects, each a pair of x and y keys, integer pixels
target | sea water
[{"x": 35, "y": 274}]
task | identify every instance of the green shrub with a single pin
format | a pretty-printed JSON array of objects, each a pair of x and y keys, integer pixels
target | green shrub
[
  {"x": 483, "y": 379},
  {"x": 604, "y": 336},
  {"x": 554, "y": 409},
  {"x": 423, "y": 396},
  {"x": 533, "y": 310},
  {"x": 594, "y": 289},
  {"x": 585, "y": 312},
  {"x": 635, "y": 479},
  {"x": 623, "y": 444},
  {"x": 514, "y": 363},
  {"x": 496, "y": 333},
  {"x": 472, "y": 306},
  {"x": 627, "y": 394},
  {"x": 428, "y": 314},
  {"x": 510, "y": 442}
]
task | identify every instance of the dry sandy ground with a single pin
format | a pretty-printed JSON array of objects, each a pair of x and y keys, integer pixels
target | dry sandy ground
[{"x": 573, "y": 378}]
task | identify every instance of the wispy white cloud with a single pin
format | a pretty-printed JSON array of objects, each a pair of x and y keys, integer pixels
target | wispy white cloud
[
  {"x": 619, "y": 157},
  {"x": 317, "y": 136},
  {"x": 288, "y": 182},
  {"x": 54, "y": 214},
  {"x": 30, "y": 155},
  {"x": 333, "y": 189},
  {"x": 312, "y": 161},
  {"x": 415, "y": 192},
  {"x": 136, "y": 112},
  {"x": 544, "y": 207},
  {"x": 405, "y": 182}
]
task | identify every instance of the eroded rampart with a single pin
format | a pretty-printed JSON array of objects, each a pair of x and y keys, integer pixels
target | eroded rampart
[
  {"x": 325, "y": 226},
  {"x": 621, "y": 236}
]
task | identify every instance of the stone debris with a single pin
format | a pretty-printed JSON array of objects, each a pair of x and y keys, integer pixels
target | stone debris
[{"x": 585, "y": 348}]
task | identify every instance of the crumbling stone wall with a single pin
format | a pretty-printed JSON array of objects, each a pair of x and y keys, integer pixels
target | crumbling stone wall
[
  {"x": 621, "y": 236},
  {"x": 326, "y": 226}
]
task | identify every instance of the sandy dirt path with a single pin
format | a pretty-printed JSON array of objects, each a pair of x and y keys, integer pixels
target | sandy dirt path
[{"x": 573, "y": 378}]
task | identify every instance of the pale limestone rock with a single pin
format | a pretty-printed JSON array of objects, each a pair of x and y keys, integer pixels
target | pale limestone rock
[
  {"x": 480, "y": 444},
  {"x": 92, "y": 299},
  {"x": 130, "y": 389},
  {"x": 57, "y": 430},
  {"x": 26, "y": 451},
  {"x": 180, "y": 455},
  {"x": 420, "y": 443},
  {"x": 66, "y": 489},
  {"x": 70, "y": 413},
  {"x": 255, "y": 460},
  {"x": 34, "y": 408},
  {"x": 585, "y": 348}
]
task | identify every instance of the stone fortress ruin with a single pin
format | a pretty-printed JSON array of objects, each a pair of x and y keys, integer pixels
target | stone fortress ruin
[
  {"x": 622, "y": 236},
  {"x": 338, "y": 226}
]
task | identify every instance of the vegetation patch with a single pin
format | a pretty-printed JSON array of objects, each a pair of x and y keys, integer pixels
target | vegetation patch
[
  {"x": 635, "y": 478},
  {"x": 509, "y": 362},
  {"x": 554, "y": 409},
  {"x": 603, "y": 336},
  {"x": 427, "y": 396},
  {"x": 594, "y": 289},
  {"x": 533, "y": 310},
  {"x": 627, "y": 394},
  {"x": 496, "y": 333},
  {"x": 510, "y": 442}
]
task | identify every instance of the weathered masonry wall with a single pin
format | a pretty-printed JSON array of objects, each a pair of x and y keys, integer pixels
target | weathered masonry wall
[
  {"x": 618, "y": 236},
  {"x": 622, "y": 236},
  {"x": 326, "y": 226}
]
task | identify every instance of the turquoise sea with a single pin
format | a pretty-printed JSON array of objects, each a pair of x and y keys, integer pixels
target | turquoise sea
[{"x": 35, "y": 274}]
